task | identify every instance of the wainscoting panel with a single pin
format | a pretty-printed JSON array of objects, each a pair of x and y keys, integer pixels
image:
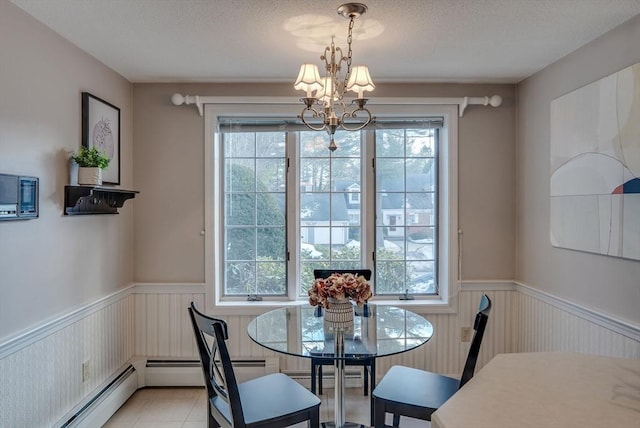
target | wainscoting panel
[
  {"x": 41, "y": 381},
  {"x": 520, "y": 321},
  {"x": 41, "y": 371},
  {"x": 163, "y": 330},
  {"x": 445, "y": 353},
  {"x": 549, "y": 324}
]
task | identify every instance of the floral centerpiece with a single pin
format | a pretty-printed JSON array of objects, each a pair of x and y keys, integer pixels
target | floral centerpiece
[{"x": 339, "y": 286}]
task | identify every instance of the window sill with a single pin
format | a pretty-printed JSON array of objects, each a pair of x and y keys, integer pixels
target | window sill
[
  {"x": 421, "y": 306},
  {"x": 241, "y": 307}
]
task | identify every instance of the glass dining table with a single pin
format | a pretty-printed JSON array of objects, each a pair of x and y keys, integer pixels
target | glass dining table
[{"x": 378, "y": 331}]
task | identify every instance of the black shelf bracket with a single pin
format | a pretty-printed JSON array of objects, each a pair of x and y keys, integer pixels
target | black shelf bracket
[{"x": 83, "y": 200}]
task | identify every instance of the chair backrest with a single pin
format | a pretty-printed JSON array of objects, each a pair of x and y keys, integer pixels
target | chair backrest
[
  {"x": 326, "y": 273},
  {"x": 219, "y": 382},
  {"x": 479, "y": 326}
]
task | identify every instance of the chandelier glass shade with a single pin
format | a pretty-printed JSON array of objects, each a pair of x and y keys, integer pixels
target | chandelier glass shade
[{"x": 325, "y": 107}]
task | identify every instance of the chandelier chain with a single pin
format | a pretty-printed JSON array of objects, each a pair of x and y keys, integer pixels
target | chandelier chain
[{"x": 349, "y": 51}]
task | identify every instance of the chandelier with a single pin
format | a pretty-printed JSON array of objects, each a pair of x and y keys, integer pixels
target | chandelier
[{"x": 327, "y": 93}]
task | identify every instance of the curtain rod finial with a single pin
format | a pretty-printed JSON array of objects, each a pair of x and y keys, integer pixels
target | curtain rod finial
[
  {"x": 177, "y": 99},
  {"x": 495, "y": 101}
]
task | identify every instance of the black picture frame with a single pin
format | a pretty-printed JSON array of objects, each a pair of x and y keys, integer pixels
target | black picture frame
[{"x": 101, "y": 129}]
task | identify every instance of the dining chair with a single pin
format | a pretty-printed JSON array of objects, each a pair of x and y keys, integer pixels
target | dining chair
[
  {"x": 418, "y": 393},
  {"x": 273, "y": 400}
]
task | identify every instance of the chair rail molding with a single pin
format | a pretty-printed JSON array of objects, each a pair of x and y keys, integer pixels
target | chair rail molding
[
  {"x": 22, "y": 340},
  {"x": 609, "y": 322}
]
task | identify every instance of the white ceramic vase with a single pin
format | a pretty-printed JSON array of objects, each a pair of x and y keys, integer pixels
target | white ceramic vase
[
  {"x": 339, "y": 314},
  {"x": 73, "y": 173},
  {"x": 89, "y": 175}
]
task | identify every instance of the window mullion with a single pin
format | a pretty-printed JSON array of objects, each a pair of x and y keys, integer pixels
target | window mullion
[
  {"x": 292, "y": 214},
  {"x": 368, "y": 196}
]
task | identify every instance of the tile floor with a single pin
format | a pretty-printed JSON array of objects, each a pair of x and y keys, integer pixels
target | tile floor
[{"x": 187, "y": 408}]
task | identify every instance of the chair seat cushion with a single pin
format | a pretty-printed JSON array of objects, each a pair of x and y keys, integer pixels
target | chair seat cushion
[
  {"x": 268, "y": 397},
  {"x": 415, "y": 387}
]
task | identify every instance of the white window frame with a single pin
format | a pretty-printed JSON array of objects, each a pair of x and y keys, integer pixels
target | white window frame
[{"x": 284, "y": 107}]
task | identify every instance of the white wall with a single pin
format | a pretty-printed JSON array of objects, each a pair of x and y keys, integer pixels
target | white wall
[
  {"x": 53, "y": 264},
  {"x": 169, "y": 215},
  {"x": 607, "y": 284},
  {"x": 52, "y": 269}
]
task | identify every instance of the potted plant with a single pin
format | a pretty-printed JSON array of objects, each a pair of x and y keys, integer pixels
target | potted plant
[{"x": 91, "y": 162}]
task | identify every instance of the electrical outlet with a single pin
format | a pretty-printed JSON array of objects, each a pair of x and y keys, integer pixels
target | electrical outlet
[
  {"x": 85, "y": 371},
  {"x": 465, "y": 334}
]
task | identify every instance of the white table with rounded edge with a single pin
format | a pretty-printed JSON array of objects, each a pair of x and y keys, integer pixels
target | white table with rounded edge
[{"x": 547, "y": 390}]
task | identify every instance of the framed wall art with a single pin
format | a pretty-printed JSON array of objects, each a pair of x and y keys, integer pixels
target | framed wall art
[
  {"x": 595, "y": 167},
  {"x": 101, "y": 129}
]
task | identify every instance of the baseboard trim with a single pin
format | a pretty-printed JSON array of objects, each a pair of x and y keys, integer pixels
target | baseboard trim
[
  {"x": 187, "y": 372},
  {"x": 173, "y": 373},
  {"x": 352, "y": 378},
  {"x": 96, "y": 410}
]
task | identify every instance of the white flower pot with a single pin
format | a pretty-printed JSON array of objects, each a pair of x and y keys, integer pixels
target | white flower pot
[{"x": 91, "y": 176}]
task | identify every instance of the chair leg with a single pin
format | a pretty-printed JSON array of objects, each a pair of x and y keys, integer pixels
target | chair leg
[
  {"x": 365, "y": 374},
  {"x": 314, "y": 418},
  {"x": 372, "y": 374},
  {"x": 314, "y": 368},
  {"x": 378, "y": 415},
  {"x": 372, "y": 416},
  {"x": 396, "y": 420}
]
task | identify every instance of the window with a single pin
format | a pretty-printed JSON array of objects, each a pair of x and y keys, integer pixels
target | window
[
  {"x": 254, "y": 207},
  {"x": 406, "y": 182},
  {"x": 282, "y": 205}
]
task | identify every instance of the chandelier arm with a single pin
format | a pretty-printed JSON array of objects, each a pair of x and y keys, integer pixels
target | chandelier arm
[
  {"x": 326, "y": 57},
  {"x": 353, "y": 114},
  {"x": 315, "y": 114}
]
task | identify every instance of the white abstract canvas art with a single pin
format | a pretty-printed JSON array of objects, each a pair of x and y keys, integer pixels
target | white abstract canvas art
[{"x": 595, "y": 167}]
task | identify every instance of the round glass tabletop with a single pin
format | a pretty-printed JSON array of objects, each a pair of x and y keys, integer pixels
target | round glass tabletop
[{"x": 378, "y": 330}]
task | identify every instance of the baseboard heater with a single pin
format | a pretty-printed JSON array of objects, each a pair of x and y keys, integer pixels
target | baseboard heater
[
  {"x": 96, "y": 410},
  {"x": 352, "y": 378},
  {"x": 159, "y": 372}
]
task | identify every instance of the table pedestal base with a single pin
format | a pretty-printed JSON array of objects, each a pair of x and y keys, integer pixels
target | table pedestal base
[{"x": 346, "y": 425}]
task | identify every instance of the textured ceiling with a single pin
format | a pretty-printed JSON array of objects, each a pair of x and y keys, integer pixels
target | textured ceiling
[{"x": 501, "y": 41}]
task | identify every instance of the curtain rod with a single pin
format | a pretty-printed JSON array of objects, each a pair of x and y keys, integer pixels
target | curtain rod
[{"x": 461, "y": 102}]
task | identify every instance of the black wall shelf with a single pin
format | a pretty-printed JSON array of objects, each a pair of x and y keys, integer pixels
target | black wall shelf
[{"x": 83, "y": 200}]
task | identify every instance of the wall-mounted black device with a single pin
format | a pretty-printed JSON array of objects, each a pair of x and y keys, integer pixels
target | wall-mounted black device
[{"x": 18, "y": 197}]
